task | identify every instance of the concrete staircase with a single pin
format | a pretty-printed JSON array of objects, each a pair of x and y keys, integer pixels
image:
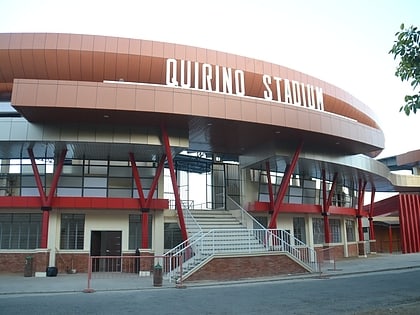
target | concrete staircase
[
  {"x": 206, "y": 220},
  {"x": 220, "y": 233}
]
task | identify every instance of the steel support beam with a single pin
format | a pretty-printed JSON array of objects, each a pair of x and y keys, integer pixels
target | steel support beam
[
  {"x": 326, "y": 203},
  {"x": 371, "y": 209},
  {"x": 38, "y": 181},
  {"x": 178, "y": 204},
  {"x": 390, "y": 238},
  {"x": 360, "y": 198},
  {"x": 283, "y": 186},
  {"x": 46, "y": 203},
  {"x": 136, "y": 176},
  {"x": 145, "y": 203},
  {"x": 270, "y": 186}
]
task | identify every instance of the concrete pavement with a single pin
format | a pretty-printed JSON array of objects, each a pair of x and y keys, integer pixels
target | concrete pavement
[{"x": 64, "y": 283}]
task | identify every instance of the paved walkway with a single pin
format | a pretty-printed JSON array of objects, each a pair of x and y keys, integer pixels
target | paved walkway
[{"x": 18, "y": 284}]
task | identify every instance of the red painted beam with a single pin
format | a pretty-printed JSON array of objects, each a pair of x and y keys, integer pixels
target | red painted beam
[
  {"x": 283, "y": 186},
  {"x": 178, "y": 204},
  {"x": 390, "y": 238},
  {"x": 360, "y": 197},
  {"x": 136, "y": 176},
  {"x": 326, "y": 204},
  {"x": 270, "y": 185},
  {"x": 402, "y": 226},
  {"x": 371, "y": 209},
  {"x": 11, "y": 202},
  {"x": 261, "y": 206},
  {"x": 57, "y": 173},
  {"x": 417, "y": 220},
  {"x": 155, "y": 180},
  {"x": 37, "y": 178}
]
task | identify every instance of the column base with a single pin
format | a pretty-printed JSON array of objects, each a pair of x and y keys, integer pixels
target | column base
[
  {"x": 362, "y": 249},
  {"x": 372, "y": 244}
]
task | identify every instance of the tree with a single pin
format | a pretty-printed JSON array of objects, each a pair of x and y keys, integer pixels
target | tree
[{"x": 407, "y": 48}]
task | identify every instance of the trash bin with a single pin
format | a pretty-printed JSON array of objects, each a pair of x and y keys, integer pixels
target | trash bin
[
  {"x": 137, "y": 262},
  {"x": 157, "y": 276},
  {"x": 51, "y": 271},
  {"x": 28, "y": 267}
]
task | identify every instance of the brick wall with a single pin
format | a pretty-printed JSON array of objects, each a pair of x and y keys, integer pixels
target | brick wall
[
  {"x": 353, "y": 250},
  {"x": 15, "y": 262},
  {"x": 67, "y": 261},
  {"x": 235, "y": 268}
]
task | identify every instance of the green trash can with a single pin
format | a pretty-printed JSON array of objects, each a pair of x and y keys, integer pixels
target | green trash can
[
  {"x": 157, "y": 276},
  {"x": 28, "y": 270}
]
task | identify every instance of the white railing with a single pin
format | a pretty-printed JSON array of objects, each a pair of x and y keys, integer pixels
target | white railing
[
  {"x": 192, "y": 222},
  {"x": 242, "y": 215},
  {"x": 201, "y": 246}
]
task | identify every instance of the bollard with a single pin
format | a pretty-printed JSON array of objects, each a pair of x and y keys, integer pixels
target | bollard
[
  {"x": 157, "y": 276},
  {"x": 28, "y": 267}
]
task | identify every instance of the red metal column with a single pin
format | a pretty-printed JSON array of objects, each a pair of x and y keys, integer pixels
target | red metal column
[
  {"x": 360, "y": 198},
  {"x": 413, "y": 223},
  {"x": 326, "y": 203},
  {"x": 417, "y": 221},
  {"x": 137, "y": 179},
  {"x": 155, "y": 180},
  {"x": 402, "y": 225},
  {"x": 145, "y": 203},
  {"x": 56, "y": 176},
  {"x": 37, "y": 178},
  {"x": 178, "y": 204},
  {"x": 270, "y": 186},
  {"x": 283, "y": 186},
  {"x": 390, "y": 238},
  {"x": 371, "y": 206},
  {"x": 408, "y": 219},
  {"x": 46, "y": 203},
  {"x": 144, "y": 211}
]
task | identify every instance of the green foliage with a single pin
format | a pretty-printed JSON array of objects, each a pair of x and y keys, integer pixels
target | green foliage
[{"x": 407, "y": 49}]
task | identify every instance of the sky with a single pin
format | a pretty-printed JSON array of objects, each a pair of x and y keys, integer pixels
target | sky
[{"x": 342, "y": 42}]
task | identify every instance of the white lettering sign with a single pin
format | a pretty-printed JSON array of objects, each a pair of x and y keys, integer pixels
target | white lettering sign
[{"x": 213, "y": 78}]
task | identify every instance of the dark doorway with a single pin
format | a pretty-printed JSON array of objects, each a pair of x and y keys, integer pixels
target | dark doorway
[{"x": 107, "y": 246}]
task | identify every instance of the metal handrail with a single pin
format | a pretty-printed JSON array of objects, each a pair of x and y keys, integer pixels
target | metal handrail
[
  {"x": 244, "y": 214},
  {"x": 240, "y": 241},
  {"x": 187, "y": 214}
]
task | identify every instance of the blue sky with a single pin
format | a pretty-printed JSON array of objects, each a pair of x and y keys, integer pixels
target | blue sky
[{"x": 343, "y": 42}]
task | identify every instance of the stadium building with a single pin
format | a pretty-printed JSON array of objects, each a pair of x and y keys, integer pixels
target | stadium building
[{"x": 117, "y": 147}]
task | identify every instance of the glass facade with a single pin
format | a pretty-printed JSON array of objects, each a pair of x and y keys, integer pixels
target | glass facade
[
  {"x": 72, "y": 233},
  {"x": 20, "y": 230}
]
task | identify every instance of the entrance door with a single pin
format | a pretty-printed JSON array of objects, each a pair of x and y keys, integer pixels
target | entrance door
[{"x": 106, "y": 245}]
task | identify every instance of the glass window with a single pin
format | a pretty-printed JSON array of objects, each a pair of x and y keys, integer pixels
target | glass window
[
  {"x": 72, "y": 231},
  {"x": 318, "y": 230},
  {"x": 299, "y": 230},
  {"x": 20, "y": 230},
  {"x": 350, "y": 231},
  {"x": 172, "y": 236},
  {"x": 335, "y": 230},
  {"x": 135, "y": 231}
]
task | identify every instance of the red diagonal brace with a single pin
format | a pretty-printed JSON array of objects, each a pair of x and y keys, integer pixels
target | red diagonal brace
[
  {"x": 145, "y": 203},
  {"x": 360, "y": 198},
  {"x": 137, "y": 180},
  {"x": 371, "y": 206},
  {"x": 178, "y": 205},
  {"x": 46, "y": 203},
  {"x": 57, "y": 173},
  {"x": 37, "y": 179},
  {"x": 283, "y": 186},
  {"x": 270, "y": 185},
  {"x": 155, "y": 180},
  {"x": 326, "y": 203}
]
